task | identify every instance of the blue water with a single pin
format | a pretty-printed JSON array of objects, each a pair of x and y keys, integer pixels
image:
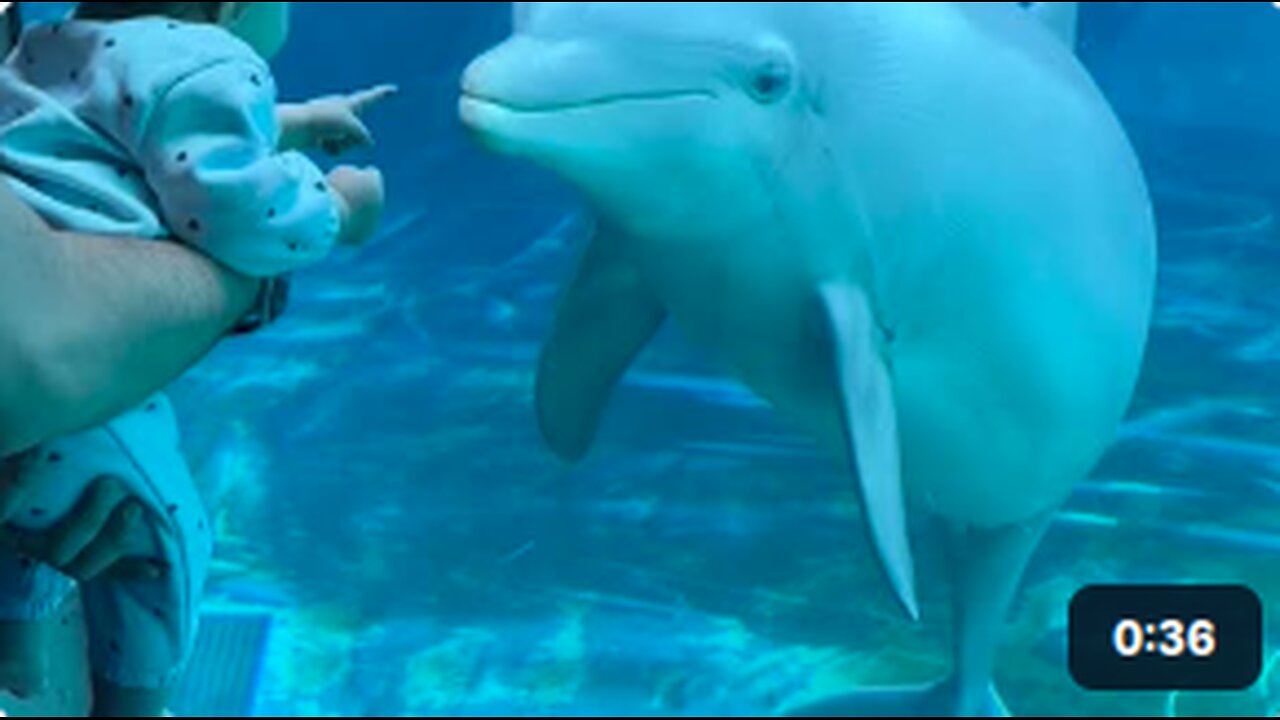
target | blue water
[{"x": 381, "y": 490}]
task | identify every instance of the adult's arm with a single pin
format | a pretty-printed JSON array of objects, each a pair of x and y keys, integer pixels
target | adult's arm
[{"x": 91, "y": 326}]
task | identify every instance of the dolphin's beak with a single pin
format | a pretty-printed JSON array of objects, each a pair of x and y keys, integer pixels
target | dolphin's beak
[
  {"x": 512, "y": 93},
  {"x": 503, "y": 91},
  {"x": 514, "y": 78}
]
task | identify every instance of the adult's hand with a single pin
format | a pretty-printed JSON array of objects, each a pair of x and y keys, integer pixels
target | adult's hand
[{"x": 93, "y": 540}]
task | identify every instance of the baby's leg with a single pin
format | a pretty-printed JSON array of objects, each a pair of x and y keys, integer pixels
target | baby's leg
[
  {"x": 31, "y": 595},
  {"x": 142, "y": 632}
]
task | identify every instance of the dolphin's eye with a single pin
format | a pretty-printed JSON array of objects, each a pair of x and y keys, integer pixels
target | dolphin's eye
[{"x": 770, "y": 83}]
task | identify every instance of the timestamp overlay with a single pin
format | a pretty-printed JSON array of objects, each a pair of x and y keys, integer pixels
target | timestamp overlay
[{"x": 1165, "y": 638}]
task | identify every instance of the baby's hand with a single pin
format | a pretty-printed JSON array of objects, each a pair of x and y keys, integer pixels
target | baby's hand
[
  {"x": 363, "y": 197},
  {"x": 333, "y": 123}
]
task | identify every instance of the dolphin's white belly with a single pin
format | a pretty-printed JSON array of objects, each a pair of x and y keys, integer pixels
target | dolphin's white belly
[
  {"x": 974, "y": 450},
  {"x": 762, "y": 331},
  {"x": 1009, "y": 385}
]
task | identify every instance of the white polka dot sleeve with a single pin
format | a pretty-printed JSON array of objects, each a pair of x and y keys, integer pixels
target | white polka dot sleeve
[{"x": 209, "y": 149}]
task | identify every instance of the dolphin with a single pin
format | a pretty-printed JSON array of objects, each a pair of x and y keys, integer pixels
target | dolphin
[
  {"x": 915, "y": 229},
  {"x": 521, "y": 13},
  {"x": 1061, "y": 18}
]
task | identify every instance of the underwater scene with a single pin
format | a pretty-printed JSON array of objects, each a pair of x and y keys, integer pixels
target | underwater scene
[{"x": 395, "y": 537}]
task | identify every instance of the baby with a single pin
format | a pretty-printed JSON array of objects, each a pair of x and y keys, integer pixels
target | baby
[{"x": 153, "y": 120}]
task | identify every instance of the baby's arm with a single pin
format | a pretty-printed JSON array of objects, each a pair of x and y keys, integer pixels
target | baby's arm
[
  {"x": 330, "y": 123},
  {"x": 361, "y": 199},
  {"x": 295, "y": 133},
  {"x": 210, "y": 153}
]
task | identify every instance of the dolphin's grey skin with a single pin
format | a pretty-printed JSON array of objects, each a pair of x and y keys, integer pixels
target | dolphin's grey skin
[
  {"x": 916, "y": 229},
  {"x": 520, "y": 14},
  {"x": 1061, "y": 18}
]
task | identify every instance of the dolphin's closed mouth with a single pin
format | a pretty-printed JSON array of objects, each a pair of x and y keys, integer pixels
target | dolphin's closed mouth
[{"x": 531, "y": 108}]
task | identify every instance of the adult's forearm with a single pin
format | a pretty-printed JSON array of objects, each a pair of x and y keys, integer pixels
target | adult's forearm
[{"x": 90, "y": 327}]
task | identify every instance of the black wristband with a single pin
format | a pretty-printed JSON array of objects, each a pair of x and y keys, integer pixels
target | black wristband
[{"x": 273, "y": 300}]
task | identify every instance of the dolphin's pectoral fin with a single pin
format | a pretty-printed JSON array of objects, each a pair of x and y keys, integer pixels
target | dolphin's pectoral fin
[
  {"x": 916, "y": 701},
  {"x": 606, "y": 318},
  {"x": 870, "y": 423}
]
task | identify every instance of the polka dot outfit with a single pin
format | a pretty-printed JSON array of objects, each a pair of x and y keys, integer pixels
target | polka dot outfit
[
  {"x": 152, "y": 129},
  {"x": 141, "y": 632},
  {"x": 157, "y": 129}
]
